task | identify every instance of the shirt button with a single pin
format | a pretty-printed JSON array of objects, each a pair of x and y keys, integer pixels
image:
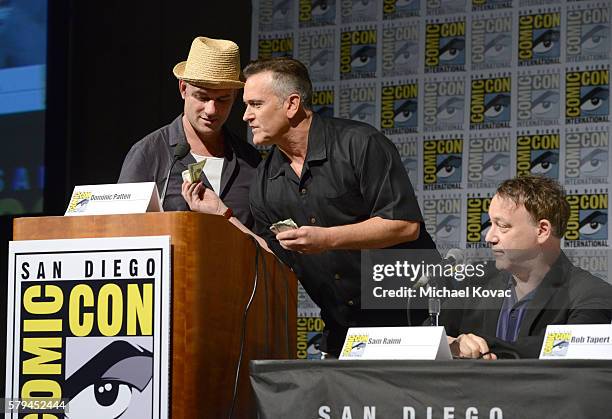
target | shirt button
[
  {"x": 313, "y": 220},
  {"x": 303, "y": 191},
  {"x": 350, "y": 303},
  {"x": 337, "y": 276}
]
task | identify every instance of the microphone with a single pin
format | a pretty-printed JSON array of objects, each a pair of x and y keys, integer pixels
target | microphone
[
  {"x": 453, "y": 257},
  {"x": 180, "y": 151}
]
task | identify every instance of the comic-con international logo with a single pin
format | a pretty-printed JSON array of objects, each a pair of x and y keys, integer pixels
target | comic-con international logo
[
  {"x": 588, "y": 33},
  {"x": 490, "y": 103},
  {"x": 538, "y": 98},
  {"x": 442, "y": 218},
  {"x": 444, "y": 104},
  {"x": 399, "y": 111},
  {"x": 408, "y": 150},
  {"x": 557, "y": 344},
  {"x": 588, "y": 221},
  {"x": 399, "y": 9},
  {"x": 317, "y": 52},
  {"x": 538, "y": 154},
  {"x": 358, "y": 54},
  {"x": 400, "y": 49},
  {"x": 309, "y": 334},
  {"x": 587, "y": 154},
  {"x": 323, "y": 101},
  {"x": 445, "y": 46},
  {"x": 79, "y": 201},
  {"x": 316, "y": 13},
  {"x": 442, "y": 163},
  {"x": 480, "y": 5},
  {"x": 478, "y": 222},
  {"x": 357, "y": 102},
  {"x": 275, "y": 15},
  {"x": 594, "y": 261},
  {"x": 488, "y": 160},
  {"x": 444, "y": 7},
  {"x": 354, "y": 346},
  {"x": 359, "y": 10},
  {"x": 539, "y": 36},
  {"x": 587, "y": 96},
  {"x": 491, "y": 42},
  {"x": 271, "y": 45}
]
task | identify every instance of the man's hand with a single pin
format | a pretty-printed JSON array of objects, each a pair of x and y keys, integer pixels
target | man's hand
[
  {"x": 470, "y": 346},
  {"x": 306, "y": 239},
  {"x": 202, "y": 199}
]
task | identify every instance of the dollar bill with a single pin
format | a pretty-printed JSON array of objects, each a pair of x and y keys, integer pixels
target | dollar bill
[
  {"x": 284, "y": 225},
  {"x": 195, "y": 170},
  {"x": 186, "y": 176}
]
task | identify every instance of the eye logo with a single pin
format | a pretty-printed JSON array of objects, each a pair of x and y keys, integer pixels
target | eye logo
[
  {"x": 358, "y": 54},
  {"x": 363, "y": 112},
  {"x": 594, "y": 100},
  {"x": 496, "y": 166},
  {"x": 448, "y": 228},
  {"x": 593, "y": 225},
  {"x": 497, "y": 107},
  {"x": 545, "y": 163},
  {"x": 405, "y": 113},
  {"x": 112, "y": 383},
  {"x": 317, "y": 12},
  {"x": 546, "y": 43}
]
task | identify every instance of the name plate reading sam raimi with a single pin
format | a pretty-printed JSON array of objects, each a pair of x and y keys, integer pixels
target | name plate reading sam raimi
[
  {"x": 577, "y": 341},
  {"x": 396, "y": 343}
]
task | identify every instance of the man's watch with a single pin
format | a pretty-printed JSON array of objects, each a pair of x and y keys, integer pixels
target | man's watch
[{"x": 228, "y": 213}]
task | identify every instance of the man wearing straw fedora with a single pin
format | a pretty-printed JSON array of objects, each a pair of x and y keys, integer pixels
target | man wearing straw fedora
[{"x": 208, "y": 83}]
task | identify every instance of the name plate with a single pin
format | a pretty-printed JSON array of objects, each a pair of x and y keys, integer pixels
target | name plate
[
  {"x": 421, "y": 342},
  {"x": 577, "y": 341},
  {"x": 120, "y": 198}
]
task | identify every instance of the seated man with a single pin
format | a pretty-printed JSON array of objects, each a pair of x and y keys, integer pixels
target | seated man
[
  {"x": 529, "y": 216},
  {"x": 208, "y": 83}
]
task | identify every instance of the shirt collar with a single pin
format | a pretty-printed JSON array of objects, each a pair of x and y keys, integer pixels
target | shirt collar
[{"x": 316, "y": 151}]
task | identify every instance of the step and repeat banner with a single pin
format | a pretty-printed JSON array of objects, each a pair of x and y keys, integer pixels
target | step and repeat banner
[{"x": 472, "y": 92}]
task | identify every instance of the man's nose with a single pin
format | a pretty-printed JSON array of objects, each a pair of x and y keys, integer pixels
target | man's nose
[
  {"x": 247, "y": 115},
  {"x": 491, "y": 237},
  {"x": 210, "y": 108}
]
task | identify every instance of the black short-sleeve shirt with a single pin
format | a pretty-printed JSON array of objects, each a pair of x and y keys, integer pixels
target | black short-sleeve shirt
[{"x": 351, "y": 173}]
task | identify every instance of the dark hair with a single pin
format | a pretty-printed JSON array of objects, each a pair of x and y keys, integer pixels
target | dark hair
[
  {"x": 543, "y": 198},
  {"x": 290, "y": 76}
]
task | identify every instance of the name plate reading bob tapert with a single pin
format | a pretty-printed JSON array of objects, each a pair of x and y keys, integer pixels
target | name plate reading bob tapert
[
  {"x": 577, "y": 341},
  {"x": 424, "y": 342},
  {"x": 120, "y": 198}
]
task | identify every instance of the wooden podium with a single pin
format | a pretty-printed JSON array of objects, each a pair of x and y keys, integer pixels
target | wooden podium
[{"x": 213, "y": 268}]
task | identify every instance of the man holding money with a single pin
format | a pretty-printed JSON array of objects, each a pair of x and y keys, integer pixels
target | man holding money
[
  {"x": 328, "y": 188},
  {"x": 208, "y": 83}
]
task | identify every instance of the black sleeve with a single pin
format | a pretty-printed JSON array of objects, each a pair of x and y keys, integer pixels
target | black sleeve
[{"x": 384, "y": 182}]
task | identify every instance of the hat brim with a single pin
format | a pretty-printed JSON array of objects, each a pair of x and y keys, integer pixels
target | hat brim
[{"x": 179, "y": 70}]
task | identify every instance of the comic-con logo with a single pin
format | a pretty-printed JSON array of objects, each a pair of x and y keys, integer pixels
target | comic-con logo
[
  {"x": 317, "y": 51},
  {"x": 490, "y": 103},
  {"x": 538, "y": 99},
  {"x": 442, "y": 218},
  {"x": 557, "y": 344},
  {"x": 399, "y": 112},
  {"x": 354, "y": 346},
  {"x": 445, "y": 46},
  {"x": 323, "y": 101},
  {"x": 275, "y": 15},
  {"x": 309, "y": 334},
  {"x": 479, "y": 5},
  {"x": 586, "y": 96},
  {"x": 79, "y": 201},
  {"x": 316, "y": 13},
  {"x": 488, "y": 161},
  {"x": 442, "y": 163},
  {"x": 400, "y": 49},
  {"x": 588, "y": 34},
  {"x": 478, "y": 222},
  {"x": 357, "y": 103},
  {"x": 358, "y": 54},
  {"x": 444, "y": 105},
  {"x": 491, "y": 42},
  {"x": 586, "y": 157},
  {"x": 538, "y": 154},
  {"x": 539, "y": 36},
  {"x": 399, "y": 9},
  {"x": 444, "y": 7},
  {"x": 408, "y": 151},
  {"x": 275, "y": 46},
  {"x": 588, "y": 222},
  {"x": 358, "y": 10},
  {"x": 594, "y": 261}
]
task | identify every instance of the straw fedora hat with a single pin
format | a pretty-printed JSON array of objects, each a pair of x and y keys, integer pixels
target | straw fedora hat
[{"x": 212, "y": 63}]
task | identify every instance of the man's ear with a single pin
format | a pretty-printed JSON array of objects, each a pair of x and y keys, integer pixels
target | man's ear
[
  {"x": 182, "y": 88},
  {"x": 545, "y": 230},
  {"x": 293, "y": 103}
]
